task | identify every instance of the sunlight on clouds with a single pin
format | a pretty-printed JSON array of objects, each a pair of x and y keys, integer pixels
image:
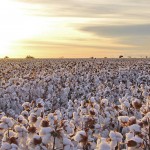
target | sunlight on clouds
[
  {"x": 15, "y": 25},
  {"x": 74, "y": 26}
]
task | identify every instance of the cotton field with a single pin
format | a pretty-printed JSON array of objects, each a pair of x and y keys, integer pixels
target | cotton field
[{"x": 74, "y": 104}]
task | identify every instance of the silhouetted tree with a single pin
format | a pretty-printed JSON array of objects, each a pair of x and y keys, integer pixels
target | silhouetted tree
[
  {"x": 121, "y": 56},
  {"x": 29, "y": 57},
  {"x": 6, "y": 57}
]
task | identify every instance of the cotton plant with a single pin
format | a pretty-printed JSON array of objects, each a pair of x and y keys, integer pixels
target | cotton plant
[
  {"x": 36, "y": 143},
  {"x": 135, "y": 143},
  {"x": 9, "y": 141},
  {"x": 81, "y": 138},
  {"x": 68, "y": 127},
  {"x": 76, "y": 120},
  {"x": 116, "y": 139},
  {"x": 124, "y": 122},
  {"x": 67, "y": 144},
  {"x": 45, "y": 132},
  {"x": 22, "y": 134},
  {"x": 102, "y": 144},
  {"x": 8, "y": 146},
  {"x": 74, "y": 104},
  {"x": 6, "y": 125}
]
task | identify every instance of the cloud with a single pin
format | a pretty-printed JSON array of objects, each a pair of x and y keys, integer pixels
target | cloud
[
  {"x": 137, "y": 35},
  {"x": 119, "y": 30},
  {"x": 81, "y": 8},
  {"x": 127, "y": 22},
  {"x": 49, "y": 44}
]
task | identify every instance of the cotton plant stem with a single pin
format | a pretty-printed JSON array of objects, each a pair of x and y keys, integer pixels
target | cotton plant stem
[{"x": 54, "y": 143}]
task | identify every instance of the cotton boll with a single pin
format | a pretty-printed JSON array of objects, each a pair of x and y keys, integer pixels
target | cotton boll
[
  {"x": 82, "y": 103},
  {"x": 22, "y": 120},
  {"x": 66, "y": 147},
  {"x": 93, "y": 112},
  {"x": 104, "y": 146},
  {"x": 32, "y": 118},
  {"x": 105, "y": 133},
  {"x": 78, "y": 136},
  {"x": 121, "y": 100},
  {"x": 37, "y": 139},
  {"x": 68, "y": 128},
  {"x": 136, "y": 103},
  {"x": 107, "y": 120},
  {"x": 31, "y": 131},
  {"x": 123, "y": 120},
  {"x": 45, "y": 131},
  {"x": 6, "y": 123},
  {"x": 97, "y": 128},
  {"x": 148, "y": 115},
  {"x": 3, "y": 126},
  {"x": 104, "y": 102},
  {"x": 25, "y": 114},
  {"x": 14, "y": 147},
  {"x": 137, "y": 114},
  {"x": 125, "y": 105},
  {"x": 143, "y": 122},
  {"x": 96, "y": 106},
  {"x": 132, "y": 120},
  {"x": 70, "y": 103},
  {"x": 75, "y": 116},
  {"x": 46, "y": 139},
  {"x": 5, "y": 146},
  {"x": 59, "y": 115},
  {"x": 113, "y": 144},
  {"x": 67, "y": 144},
  {"x": 92, "y": 99},
  {"x": 42, "y": 147},
  {"x": 2, "y": 114},
  {"x": 129, "y": 136},
  {"x": 11, "y": 113},
  {"x": 115, "y": 136},
  {"x": 135, "y": 128},
  {"x": 70, "y": 113},
  {"x": 122, "y": 113},
  {"x": 40, "y": 101},
  {"x": 38, "y": 111},
  {"x": 38, "y": 123},
  {"x": 21, "y": 131},
  {"x": 137, "y": 139},
  {"x": 26, "y": 105},
  {"x": 83, "y": 111},
  {"x": 10, "y": 133},
  {"x": 51, "y": 118},
  {"x": 135, "y": 143},
  {"x": 92, "y": 144}
]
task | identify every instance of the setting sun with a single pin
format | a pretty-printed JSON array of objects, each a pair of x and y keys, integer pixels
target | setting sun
[{"x": 16, "y": 26}]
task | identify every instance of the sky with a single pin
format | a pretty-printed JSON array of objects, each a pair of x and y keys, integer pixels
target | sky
[{"x": 74, "y": 28}]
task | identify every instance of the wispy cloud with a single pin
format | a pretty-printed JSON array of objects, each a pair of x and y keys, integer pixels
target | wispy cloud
[
  {"x": 119, "y": 30},
  {"x": 137, "y": 35},
  {"x": 122, "y": 25}
]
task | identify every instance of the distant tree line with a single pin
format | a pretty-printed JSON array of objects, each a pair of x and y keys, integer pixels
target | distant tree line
[{"x": 29, "y": 57}]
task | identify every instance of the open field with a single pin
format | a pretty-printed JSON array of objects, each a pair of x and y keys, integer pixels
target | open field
[{"x": 75, "y": 104}]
